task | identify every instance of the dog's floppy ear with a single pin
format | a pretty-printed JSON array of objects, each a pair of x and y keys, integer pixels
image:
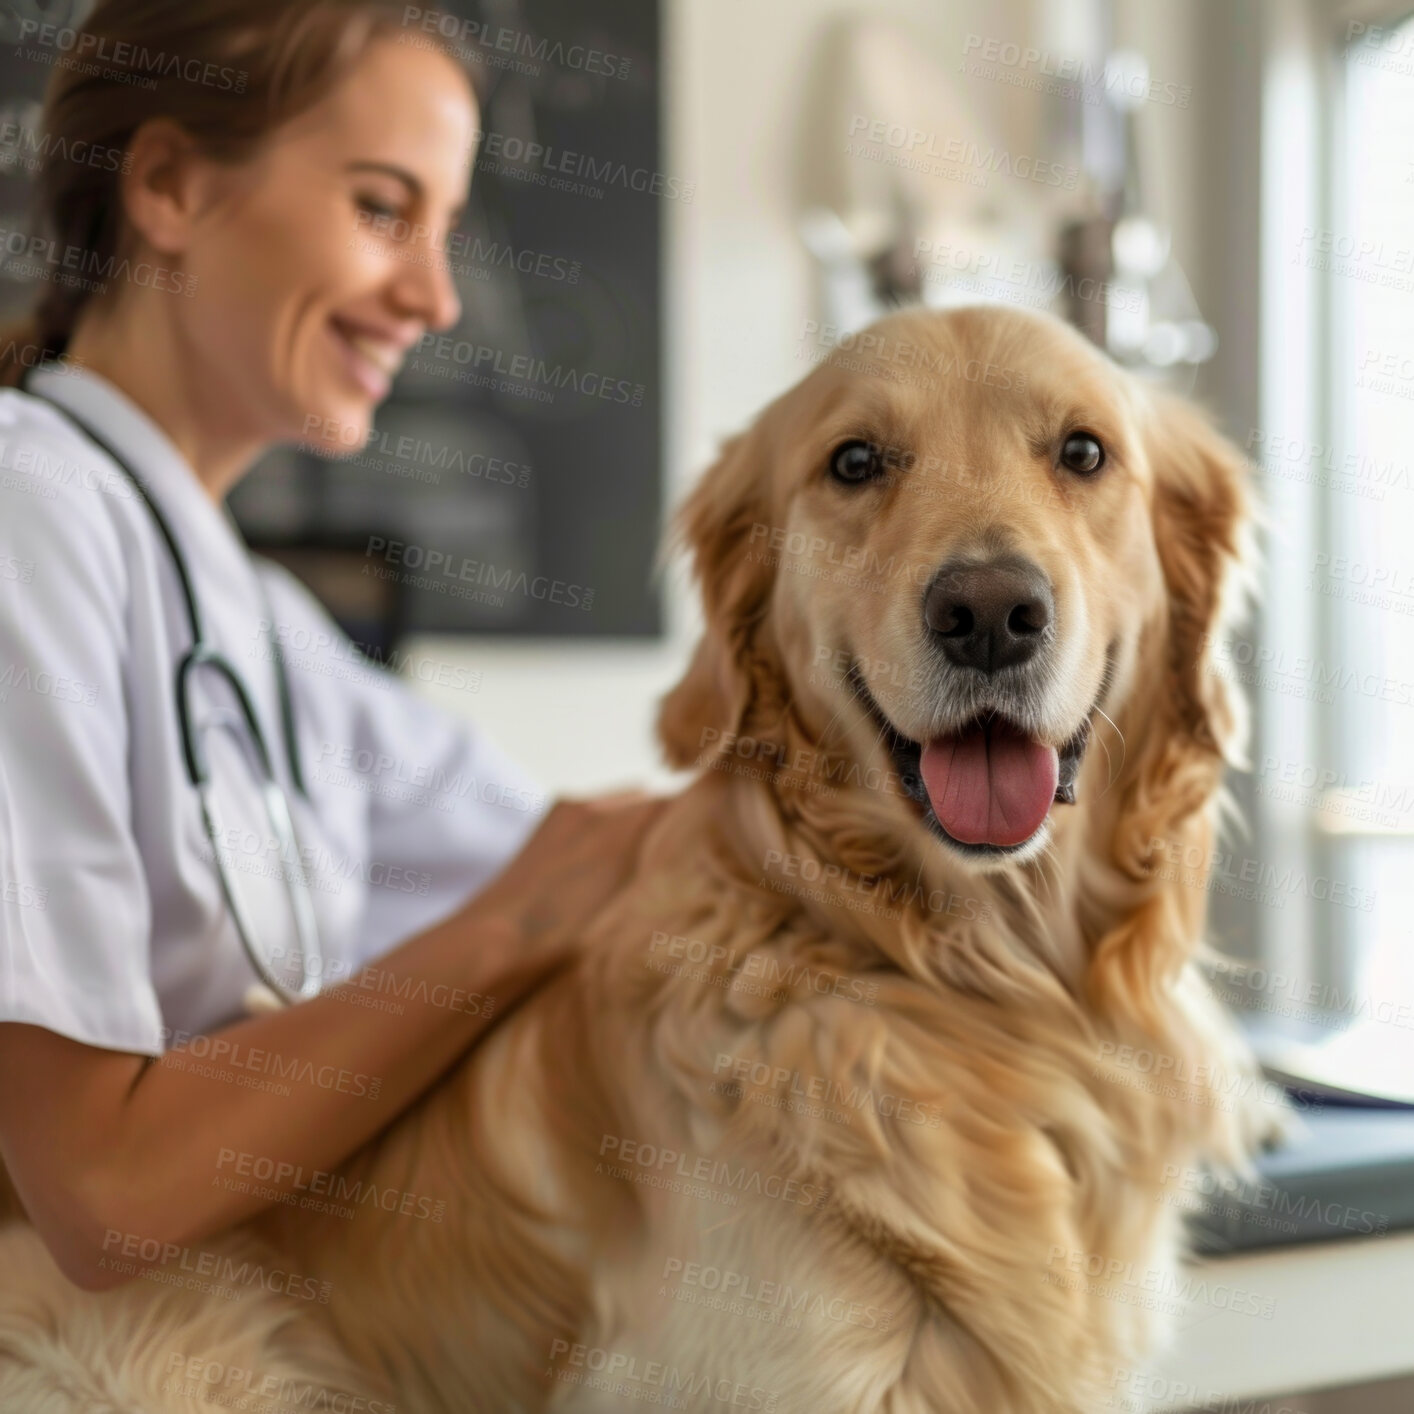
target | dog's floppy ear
[
  {"x": 726, "y": 525},
  {"x": 1203, "y": 515},
  {"x": 1188, "y": 721}
]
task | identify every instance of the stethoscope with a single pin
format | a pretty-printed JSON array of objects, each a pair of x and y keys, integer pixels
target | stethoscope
[{"x": 204, "y": 655}]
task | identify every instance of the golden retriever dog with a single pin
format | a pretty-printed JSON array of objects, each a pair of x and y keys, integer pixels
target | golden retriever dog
[{"x": 867, "y": 1091}]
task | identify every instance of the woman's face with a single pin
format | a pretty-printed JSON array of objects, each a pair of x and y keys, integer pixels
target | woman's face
[{"x": 320, "y": 262}]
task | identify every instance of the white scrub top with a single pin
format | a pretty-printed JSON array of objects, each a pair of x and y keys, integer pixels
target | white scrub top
[{"x": 113, "y": 927}]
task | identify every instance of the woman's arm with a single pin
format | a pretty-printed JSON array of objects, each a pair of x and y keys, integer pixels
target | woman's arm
[{"x": 107, "y": 1148}]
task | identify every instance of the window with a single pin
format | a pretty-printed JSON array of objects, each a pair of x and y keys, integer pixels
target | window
[{"x": 1331, "y": 672}]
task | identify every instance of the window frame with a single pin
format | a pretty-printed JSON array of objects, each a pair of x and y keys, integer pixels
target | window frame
[{"x": 1304, "y": 125}]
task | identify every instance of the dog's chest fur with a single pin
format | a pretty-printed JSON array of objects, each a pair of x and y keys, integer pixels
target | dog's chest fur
[{"x": 727, "y": 1160}]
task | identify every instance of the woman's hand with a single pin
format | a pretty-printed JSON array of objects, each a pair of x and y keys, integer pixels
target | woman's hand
[
  {"x": 585, "y": 851},
  {"x": 529, "y": 922},
  {"x": 101, "y": 1141}
]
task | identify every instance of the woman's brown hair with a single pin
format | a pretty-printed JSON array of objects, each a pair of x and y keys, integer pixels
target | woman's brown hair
[{"x": 229, "y": 72}]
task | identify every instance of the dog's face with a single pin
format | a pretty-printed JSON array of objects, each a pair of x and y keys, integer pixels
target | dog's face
[{"x": 949, "y": 545}]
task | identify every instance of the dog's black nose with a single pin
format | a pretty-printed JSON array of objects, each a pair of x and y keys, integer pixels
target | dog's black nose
[{"x": 990, "y": 614}]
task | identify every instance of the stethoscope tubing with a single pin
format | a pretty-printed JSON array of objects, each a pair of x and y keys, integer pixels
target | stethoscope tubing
[{"x": 202, "y": 653}]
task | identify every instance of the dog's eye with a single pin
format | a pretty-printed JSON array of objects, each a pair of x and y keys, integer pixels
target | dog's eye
[
  {"x": 854, "y": 462},
  {"x": 1082, "y": 453}
]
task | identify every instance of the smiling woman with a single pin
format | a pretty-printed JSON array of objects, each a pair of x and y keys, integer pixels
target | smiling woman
[
  {"x": 297, "y": 326},
  {"x": 250, "y": 269}
]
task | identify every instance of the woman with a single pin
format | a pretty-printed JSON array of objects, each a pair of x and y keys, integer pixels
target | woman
[{"x": 251, "y": 289}]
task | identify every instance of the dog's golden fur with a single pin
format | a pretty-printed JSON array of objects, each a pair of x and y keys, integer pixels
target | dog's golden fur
[{"x": 886, "y": 1078}]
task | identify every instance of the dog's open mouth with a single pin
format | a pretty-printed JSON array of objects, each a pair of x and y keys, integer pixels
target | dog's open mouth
[{"x": 987, "y": 787}]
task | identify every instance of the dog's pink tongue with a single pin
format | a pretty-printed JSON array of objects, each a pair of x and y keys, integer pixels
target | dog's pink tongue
[{"x": 990, "y": 784}]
